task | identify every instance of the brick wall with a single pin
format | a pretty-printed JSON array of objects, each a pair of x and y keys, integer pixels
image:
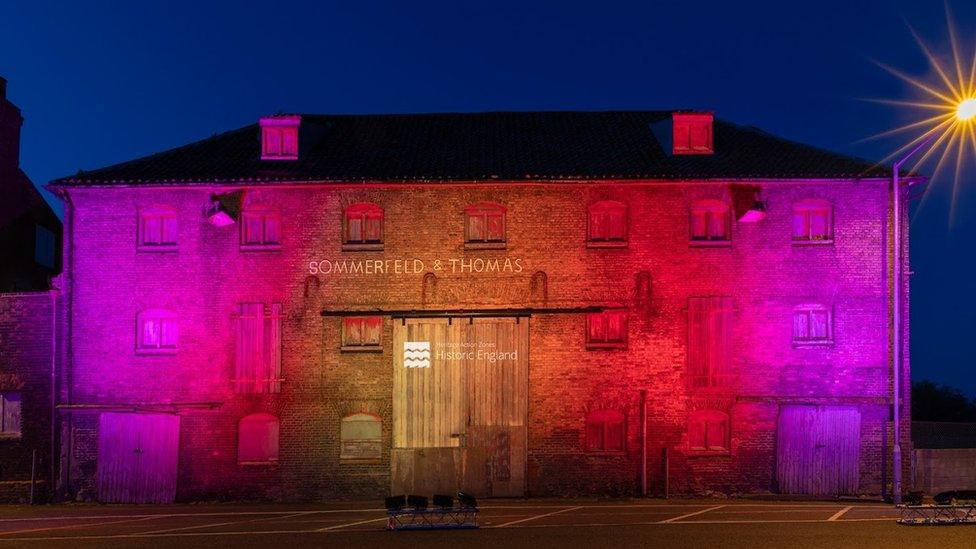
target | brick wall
[{"x": 765, "y": 273}]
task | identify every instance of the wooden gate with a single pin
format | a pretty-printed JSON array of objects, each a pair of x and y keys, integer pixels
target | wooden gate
[
  {"x": 459, "y": 420},
  {"x": 818, "y": 450},
  {"x": 137, "y": 457}
]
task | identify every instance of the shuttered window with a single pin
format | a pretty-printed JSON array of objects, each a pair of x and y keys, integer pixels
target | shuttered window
[
  {"x": 606, "y": 329},
  {"x": 157, "y": 332},
  {"x": 363, "y": 227},
  {"x": 710, "y": 223},
  {"x": 362, "y": 333},
  {"x": 361, "y": 436},
  {"x": 258, "y": 348},
  {"x": 710, "y": 342},
  {"x": 279, "y": 142},
  {"x": 257, "y": 439},
  {"x": 157, "y": 229},
  {"x": 708, "y": 431},
  {"x": 605, "y": 431},
  {"x": 484, "y": 225},
  {"x": 813, "y": 221},
  {"x": 607, "y": 224},
  {"x": 260, "y": 229},
  {"x": 10, "y": 419},
  {"x": 812, "y": 324}
]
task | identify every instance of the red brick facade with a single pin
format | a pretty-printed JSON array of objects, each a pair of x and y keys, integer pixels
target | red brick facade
[{"x": 764, "y": 272}]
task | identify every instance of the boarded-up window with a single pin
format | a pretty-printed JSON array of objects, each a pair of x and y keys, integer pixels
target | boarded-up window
[
  {"x": 606, "y": 329},
  {"x": 812, "y": 324},
  {"x": 258, "y": 348},
  {"x": 708, "y": 431},
  {"x": 484, "y": 224},
  {"x": 362, "y": 436},
  {"x": 813, "y": 221},
  {"x": 363, "y": 227},
  {"x": 157, "y": 332},
  {"x": 10, "y": 414},
  {"x": 710, "y": 342},
  {"x": 362, "y": 333},
  {"x": 607, "y": 223},
  {"x": 157, "y": 228},
  {"x": 710, "y": 222},
  {"x": 260, "y": 229},
  {"x": 257, "y": 439},
  {"x": 605, "y": 431}
]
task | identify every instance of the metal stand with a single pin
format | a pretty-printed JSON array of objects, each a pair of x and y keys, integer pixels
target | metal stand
[
  {"x": 433, "y": 519},
  {"x": 937, "y": 514}
]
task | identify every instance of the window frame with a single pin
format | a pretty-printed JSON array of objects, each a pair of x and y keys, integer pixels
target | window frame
[
  {"x": 709, "y": 416},
  {"x": 374, "y": 455},
  {"x": 159, "y": 316},
  {"x": 10, "y": 434},
  {"x": 347, "y": 345},
  {"x": 362, "y": 210},
  {"x": 606, "y": 418},
  {"x": 805, "y": 208},
  {"x": 486, "y": 210},
  {"x": 163, "y": 213},
  {"x": 608, "y": 208},
  {"x": 604, "y": 317},
  {"x": 277, "y": 442},
  {"x": 709, "y": 207},
  {"x": 808, "y": 310},
  {"x": 265, "y": 214}
]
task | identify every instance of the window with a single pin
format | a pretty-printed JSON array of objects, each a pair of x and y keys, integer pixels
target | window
[
  {"x": 710, "y": 342},
  {"x": 158, "y": 332},
  {"x": 45, "y": 246},
  {"x": 279, "y": 137},
  {"x": 260, "y": 229},
  {"x": 157, "y": 229},
  {"x": 607, "y": 224},
  {"x": 361, "y": 436},
  {"x": 484, "y": 226},
  {"x": 812, "y": 325},
  {"x": 605, "y": 431},
  {"x": 257, "y": 439},
  {"x": 606, "y": 329},
  {"x": 362, "y": 333},
  {"x": 363, "y": 227},
  {"x": 813, "y": 221},
  {"x": 10, "y": 414},
  {"x": 708, "y": 431},
  {"x": 692, "y": 133},
  {"x": 710, "y": 223},
  {"x": 258, "y": 349}
]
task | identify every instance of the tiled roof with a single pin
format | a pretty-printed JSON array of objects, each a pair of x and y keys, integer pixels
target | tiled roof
[{"x": 481, "y": 146}]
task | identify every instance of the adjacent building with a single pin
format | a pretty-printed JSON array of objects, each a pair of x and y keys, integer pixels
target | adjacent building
[{"x": 514, "y": 303}]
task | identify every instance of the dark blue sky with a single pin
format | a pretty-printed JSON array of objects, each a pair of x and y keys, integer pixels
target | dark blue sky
[{"x": 103, "y": 83}]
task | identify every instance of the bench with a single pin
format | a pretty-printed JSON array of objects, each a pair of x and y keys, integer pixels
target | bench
[{"x": 413, "y": 513}]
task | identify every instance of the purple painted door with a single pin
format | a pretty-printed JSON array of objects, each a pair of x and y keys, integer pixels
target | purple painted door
[
  {"x": 137, "y": 457},
  {"x": 818, "y": 450}
]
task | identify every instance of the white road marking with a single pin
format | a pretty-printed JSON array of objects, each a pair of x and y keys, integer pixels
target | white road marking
[
  {"x": 337, "y": 526},
  {"x": 66, "y": 526},
  {"x": 216, "y": 524},
  {"x": 696, "y": 513},
  {"x": 840, "y": 513},
  {"x": 211, "y": 514},
  {"x": 519, "y": 521}
]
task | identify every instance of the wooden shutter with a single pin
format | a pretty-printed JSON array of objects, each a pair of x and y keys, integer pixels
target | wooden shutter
[
  {"x": 272, "y": 229},
  {"x": 252, "y": 228},
  {"x": 709, "y": 356},
  {"x": 249, "y": 347},
  {"x": 374, "y": 228},
  {"x": 11, "y": 412},
  {"x": 169, "y": 332},
  {"x": 168, "y": 229},
  {"x": 614, "y": 441},
  {"x": 716, "y": 428},
  {"x": 801, "y": 325},
  {"x": 594, "y": 435},
  {"x": 272, "y": 349}
]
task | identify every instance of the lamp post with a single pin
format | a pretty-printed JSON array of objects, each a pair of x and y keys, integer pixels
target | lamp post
[{"x": 898, "y": 285}]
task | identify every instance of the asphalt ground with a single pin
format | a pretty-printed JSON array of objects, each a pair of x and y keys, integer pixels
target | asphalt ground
[{"x": 515, "y": 523}]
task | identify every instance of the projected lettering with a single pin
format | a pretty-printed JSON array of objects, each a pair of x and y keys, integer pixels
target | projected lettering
[{"x": 414, "y": 266}]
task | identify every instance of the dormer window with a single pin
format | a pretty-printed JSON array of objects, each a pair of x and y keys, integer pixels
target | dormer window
[
  {"x": 692, "y": 133},
  {"x": 279, "y": 137}
]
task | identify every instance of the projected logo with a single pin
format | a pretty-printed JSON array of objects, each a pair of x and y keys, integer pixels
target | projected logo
[{"x": 416, "y": 354}]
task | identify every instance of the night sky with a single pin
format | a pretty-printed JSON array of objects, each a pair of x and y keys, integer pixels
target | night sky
[{"x": 100, "y": 84}]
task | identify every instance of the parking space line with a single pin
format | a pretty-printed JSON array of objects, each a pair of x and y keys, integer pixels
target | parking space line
[
  {"x": 696, "y": 513},
  {"x": 216, "y": 524},
  {"x": 66, "y": 526},
  {"x": 840, "y": 513},
  {"x": 337, "y": 526},
  {"x": 519, "y": 521}
]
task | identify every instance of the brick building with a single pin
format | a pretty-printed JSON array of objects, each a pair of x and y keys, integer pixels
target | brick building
[{"x": 508, "y": 303}]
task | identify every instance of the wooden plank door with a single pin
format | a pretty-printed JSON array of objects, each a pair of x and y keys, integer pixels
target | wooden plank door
[
  {"x": 137, "y": 457},
  {"x": 818, "y": 449},
  {"x": 497, "y": 387}
]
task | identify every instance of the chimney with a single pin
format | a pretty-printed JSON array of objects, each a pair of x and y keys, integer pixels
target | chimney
[
  {"x": 279, "y": 137},
  {"x": 692, "y": 133},
  {"x": 10, "y": 122}
]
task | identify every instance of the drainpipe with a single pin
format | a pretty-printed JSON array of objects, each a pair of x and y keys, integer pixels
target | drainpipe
[
  {"x": 643, "y": 423},
  {"x": 897, "y": 289},
  {"x": 54, "y": 385}
]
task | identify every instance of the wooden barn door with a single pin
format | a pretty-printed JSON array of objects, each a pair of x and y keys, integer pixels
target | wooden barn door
[
  {"x": 818, "y": 450},
  {"x": 137, "y": 457},
  {"x": 459, "y": 416}
]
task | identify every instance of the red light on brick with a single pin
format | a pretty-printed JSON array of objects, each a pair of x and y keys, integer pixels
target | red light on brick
[{"x": 692, "y": 133}]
